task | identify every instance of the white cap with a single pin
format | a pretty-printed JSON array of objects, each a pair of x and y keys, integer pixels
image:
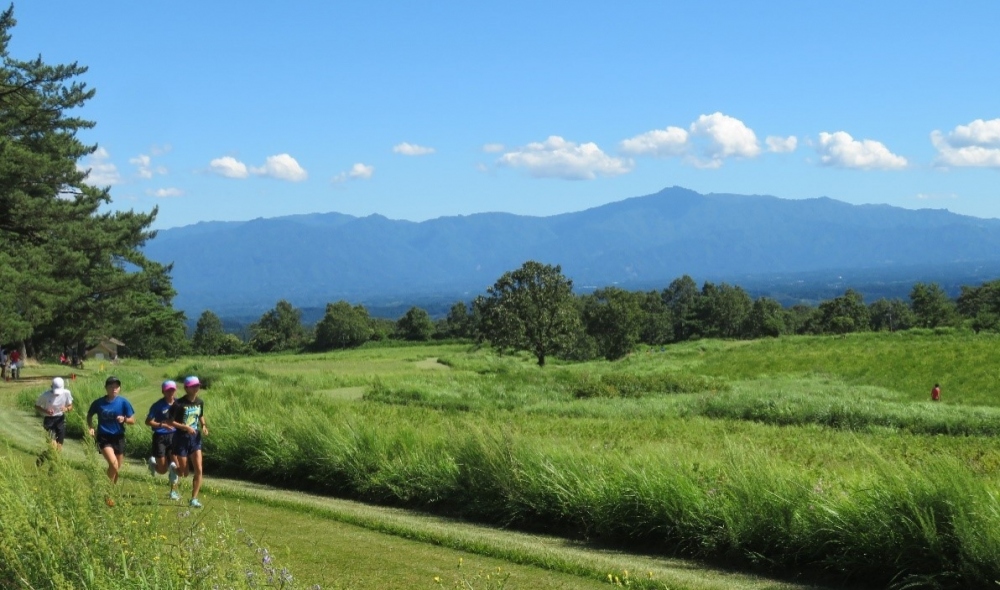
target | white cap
[{"x": 58, "y": 383}]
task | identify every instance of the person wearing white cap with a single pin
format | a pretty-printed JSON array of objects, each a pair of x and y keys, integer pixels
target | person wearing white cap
[{"x": 53, "y": 405}]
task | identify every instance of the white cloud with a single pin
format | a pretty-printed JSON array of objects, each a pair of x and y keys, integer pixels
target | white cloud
[
  {"x": 558, "y": 158},
  {"x": 165, "y": 193},
  {"x": 493, "y": 148},
  {"x": 103, "y": 171},
  {"x": 976, "y": 144},
  {"x": 706, "y": 143},
  {"x": 229, "y": 167},
  {"x": 843, "y": 151},
  {"x": 410, "y": 149},
  {"x": 282, "y": 167},
  {"x": 672, "y": 141},
  {"x": 358, "y": 171},
  {"x": 781, "y": 145},
  {"x": 724, "y": 137},
  {"x": 145, "y": 166}
]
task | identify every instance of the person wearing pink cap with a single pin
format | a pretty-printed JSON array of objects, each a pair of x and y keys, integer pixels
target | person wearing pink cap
[
  {"x": 162, "y": 461},
  {"x": 187, "y": 415}
]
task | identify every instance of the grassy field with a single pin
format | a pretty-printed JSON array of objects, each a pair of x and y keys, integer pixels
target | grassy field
[
  {"x": 810, "y": 458},
  {"x": 327, "y": 541}
]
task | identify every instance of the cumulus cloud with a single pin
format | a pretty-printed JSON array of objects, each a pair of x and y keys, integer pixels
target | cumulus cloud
[
  {"x": 976, "y": 144},
  {"x": 165, "y": 193},
  {"x": 103, "y": 171},
  {"x": 282, "y": 167},
  {"x": 781, "y": 145},
  {"x": 145, "y": 167},
  {"x": 493, "y": 148},
  {"x": 410, "y": 149},
  {"x": 358, "y": 171},
  {"x": 557, "y": 158},
  {"x": 843, "y": 151},
  {"x": 723, "y": 137},
  {"x": 229, "y": 167},
  {"x": 706, "y": 143},
  {"x": 672, "y": 141}
]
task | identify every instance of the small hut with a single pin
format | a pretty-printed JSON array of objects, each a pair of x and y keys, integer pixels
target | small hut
[{"x": 105, "y": 349}]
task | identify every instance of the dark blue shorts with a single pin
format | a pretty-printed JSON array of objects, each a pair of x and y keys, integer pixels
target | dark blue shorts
[
  {"x": 186, "y": 444},
  {"x": 162, "y": 443}
]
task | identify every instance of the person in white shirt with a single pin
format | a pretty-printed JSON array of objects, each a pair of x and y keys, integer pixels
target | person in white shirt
[{"x": 53, "y": 405}]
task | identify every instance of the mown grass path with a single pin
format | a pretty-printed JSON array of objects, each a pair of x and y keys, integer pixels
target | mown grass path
[{"x": 341, "y": 543}]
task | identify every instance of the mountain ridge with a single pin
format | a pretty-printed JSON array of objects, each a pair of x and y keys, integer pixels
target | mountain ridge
[{"x": 316, "y": 258}]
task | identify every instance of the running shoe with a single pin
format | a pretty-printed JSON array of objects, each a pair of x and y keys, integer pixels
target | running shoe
[
  {"x": 174, "y": 495},
  {"x": 172, "y": 473},
  {"x": 152, "y": 466},
  {"x": 195, "y": 503}
]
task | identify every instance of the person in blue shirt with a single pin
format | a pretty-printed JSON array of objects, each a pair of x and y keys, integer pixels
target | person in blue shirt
[
  {"x": 158, "y": 418},
  {"x": 113, "y": 413}
]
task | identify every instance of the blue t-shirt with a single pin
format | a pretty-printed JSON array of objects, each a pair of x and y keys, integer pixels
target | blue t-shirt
[
  {"x": 160, "y": 412},
  {"x": 107, "y": 413}
]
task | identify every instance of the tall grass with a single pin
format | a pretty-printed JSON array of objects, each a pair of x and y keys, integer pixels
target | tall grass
[{"x": 58, "y": 532}]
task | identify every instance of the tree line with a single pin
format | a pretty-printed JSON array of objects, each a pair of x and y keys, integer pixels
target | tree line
[{"x": 534, "y": 309}]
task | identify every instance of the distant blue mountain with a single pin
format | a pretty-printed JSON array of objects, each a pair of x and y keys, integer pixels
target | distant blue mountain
[{"x": 640, "y": 242}]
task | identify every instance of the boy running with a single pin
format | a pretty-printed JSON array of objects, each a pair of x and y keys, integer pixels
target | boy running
[
  {"x": 158, "y": 419},
  {"x": 53, "y": 404},
  {"x": 187, "y": 415},
  {"x": 113, "y": 413}
]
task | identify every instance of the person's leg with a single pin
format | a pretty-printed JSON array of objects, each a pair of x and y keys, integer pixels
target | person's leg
[
  {"x": 109, "y": 455},
  {"x": 195, "y": 460},
  {"x": 182, "y": 465}
]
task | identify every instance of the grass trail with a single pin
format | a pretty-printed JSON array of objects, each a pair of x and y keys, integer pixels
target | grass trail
[{"x": 341, "y": 543}]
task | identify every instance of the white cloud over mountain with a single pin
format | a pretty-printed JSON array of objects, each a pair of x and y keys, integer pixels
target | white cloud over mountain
[
  {"x": 229, "y": 167},
  {"x": 781, "y": 145},
  {"x": 558, "y": 158},
  {"x": 144, "y": 166},
  {"x": 358, "y": 171},
  {"x": 103, "y": 171},
  {"x": 974, "y": 145},
  {"x": 706, "y": 143},
  {"x": 280, "y": 166},
  {"x": 410, "y": 149},
  {"x": 841, "y": 150},
  {"x": 165, "y": 193}
]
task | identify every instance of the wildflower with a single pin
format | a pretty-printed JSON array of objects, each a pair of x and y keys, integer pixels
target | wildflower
[{"x": 437, "y": 579}]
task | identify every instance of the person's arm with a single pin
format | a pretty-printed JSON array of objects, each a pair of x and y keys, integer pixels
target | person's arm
[
  {"x": 204, "y": 425},
  {"x": 90, "y": 422}
]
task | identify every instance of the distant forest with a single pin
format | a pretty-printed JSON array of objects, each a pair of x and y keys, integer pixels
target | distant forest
[{"x": 534, "y": 309}]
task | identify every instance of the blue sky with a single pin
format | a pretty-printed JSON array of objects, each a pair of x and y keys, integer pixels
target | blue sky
[{"x": 229, "y": 110}]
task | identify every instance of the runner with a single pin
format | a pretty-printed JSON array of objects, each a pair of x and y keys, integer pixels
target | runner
[
  {"x": 187, "y": 415},
  {"x": 936, "y": 393},
  {"x": 53, "y": 404},
  {"x": 163, "y": 437},
  {"x": 113, "y": 413}
]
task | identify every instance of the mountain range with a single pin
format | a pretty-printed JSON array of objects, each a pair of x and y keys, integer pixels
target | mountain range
[{"x": 641, "y": 242}]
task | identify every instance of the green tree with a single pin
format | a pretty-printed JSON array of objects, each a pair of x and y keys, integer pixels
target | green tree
[
  {"x": 981, "y": 305},
  {"x": 531, "y": 309},
  {"x": 343, "y": 326},
  {"x": 208, "y": 334},
  {"x": 278, "y": 329},
  {"x": 931, "y": 306},
  {"x": 459, "y": 321},
  {"x": 657, "y": 321},
  {"x": 613, "y": 317},
  {"x": 70, "y": 273},
  {"x": 721, "y": 310},
  {"x": 680, "y": 297},
  {"x": 416, "y": 324},
  {"x": 840, "y": 315},
  {"x": 890, "y": 315},
  {"x": 766, "y": 319}
]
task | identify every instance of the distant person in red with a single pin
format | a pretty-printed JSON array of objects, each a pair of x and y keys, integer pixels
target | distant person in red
[
  {"x": 15, "y": 364},
  {"x": 936, "y": 393}
]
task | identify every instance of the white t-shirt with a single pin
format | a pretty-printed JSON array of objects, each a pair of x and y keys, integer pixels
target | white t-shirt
[{"x": 55, "y": 400}]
